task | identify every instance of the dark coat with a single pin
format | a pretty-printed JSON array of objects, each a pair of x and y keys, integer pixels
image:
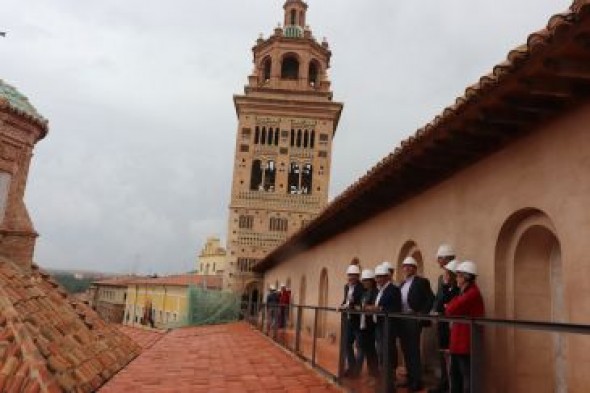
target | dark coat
[
  {"x": 444, "y": 295},
  {"x": 355, "y": 304},
  {"x": 420, "y": 296},
  {"x": 368, "y": 299},
  {"x": 390, "y": 302}
]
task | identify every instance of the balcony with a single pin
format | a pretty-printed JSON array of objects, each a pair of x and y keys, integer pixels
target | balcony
[{"x": 265, "y": 200}]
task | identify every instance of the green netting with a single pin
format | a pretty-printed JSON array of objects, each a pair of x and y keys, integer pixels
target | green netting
[{"x": 207, "y": 307}]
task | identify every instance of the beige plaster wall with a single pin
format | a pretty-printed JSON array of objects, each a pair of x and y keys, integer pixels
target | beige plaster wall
[{"x": 547, "y": 170}]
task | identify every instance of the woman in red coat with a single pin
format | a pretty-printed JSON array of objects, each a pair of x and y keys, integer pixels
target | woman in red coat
[{"x": 468, "y": 303}]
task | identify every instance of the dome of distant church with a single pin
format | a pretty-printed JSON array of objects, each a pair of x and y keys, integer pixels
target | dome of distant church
[{"x": 18, "y": 102}]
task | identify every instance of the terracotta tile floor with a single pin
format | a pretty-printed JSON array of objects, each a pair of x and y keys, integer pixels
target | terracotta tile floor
[
  {"x": 217, "y": 359},
  {"x": 144, "y": 337},
  {"x": 327, "y": 358}
]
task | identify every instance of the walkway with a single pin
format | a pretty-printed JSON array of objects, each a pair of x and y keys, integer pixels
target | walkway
[{"x": 216, "y": 359}]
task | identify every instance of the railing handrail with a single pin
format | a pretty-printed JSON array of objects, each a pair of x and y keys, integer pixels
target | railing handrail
[{"x": 560, "y": 327}]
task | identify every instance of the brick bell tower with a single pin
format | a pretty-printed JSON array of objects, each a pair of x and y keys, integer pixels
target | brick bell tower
[{"x": 286, "y": 123}]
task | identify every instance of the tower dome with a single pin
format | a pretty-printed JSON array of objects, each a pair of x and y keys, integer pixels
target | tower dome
[{"x": 18, "y": 102}]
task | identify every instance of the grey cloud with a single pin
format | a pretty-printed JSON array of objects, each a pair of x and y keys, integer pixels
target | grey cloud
[{"x": 136, "y": 170}]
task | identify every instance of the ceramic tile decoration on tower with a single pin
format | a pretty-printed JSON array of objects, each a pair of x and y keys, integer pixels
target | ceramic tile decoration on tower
[{"x": 286, "y": 123}]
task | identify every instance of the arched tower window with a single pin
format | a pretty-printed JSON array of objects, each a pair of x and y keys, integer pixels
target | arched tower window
[
  {"x": 256, "y": 175},
  {"x": 292, "y": 138},
  {"x": 298, "y": 138},
  {"x": 307, "y": 179},
  {"x": 270, "y": 171},
  {"x": 313, "y": 73},
  {"x": 277, "y": 137},
  {"x": 290, "y": 68},
  {"x": 306, "y": 138},
  {"x": 267, "y": 67},
  {"x": 263, "y": 136},
  {"x": 293, "y": 17},
  {"x": 270, "y": 136},
  {"x": 312, "y": 141},
  {"x": 293, "y": 179},
  {"x": 256, "y": 135}
]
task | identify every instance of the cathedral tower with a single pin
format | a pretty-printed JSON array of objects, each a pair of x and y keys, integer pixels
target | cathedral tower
[{"x": 286, "y": 123}]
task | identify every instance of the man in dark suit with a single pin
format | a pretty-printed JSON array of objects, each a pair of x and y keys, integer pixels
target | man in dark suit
[
  {"x": 353, "y": 294},
  {"x": 417, "y": 298},
  {"x": 388, "y": 300}
]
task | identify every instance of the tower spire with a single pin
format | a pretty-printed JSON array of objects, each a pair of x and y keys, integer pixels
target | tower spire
[{"x": 295, "y": 13}]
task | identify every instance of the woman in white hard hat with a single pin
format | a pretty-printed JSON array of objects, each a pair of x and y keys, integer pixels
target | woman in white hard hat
[
  {"x": 469, "y": 303},
  {"x": 367, "y": 324},
  {"x": 447, "y": 291}
]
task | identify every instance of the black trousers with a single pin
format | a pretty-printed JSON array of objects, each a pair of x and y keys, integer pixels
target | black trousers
[
  {"x": 367, "y": 342},
  {"x": 460, "y": 373},
  {"x": 410, "y": 331}
]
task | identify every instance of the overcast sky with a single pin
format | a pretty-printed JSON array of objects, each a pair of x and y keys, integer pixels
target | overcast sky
[{"x": 136, "y": 170}]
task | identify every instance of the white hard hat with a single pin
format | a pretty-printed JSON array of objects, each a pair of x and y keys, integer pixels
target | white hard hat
[
  {"x": 410, "y": 261},
  {"x": 353, "y": 269},
  {"x": 272, "y": 288},
  {"x": 381, "y": 271},
  {"x": 388, "y": 265},
  {"x": 452, "y": 266},
  {"x": 367, "y": 274},
  {"x": 445, "y": 250},
  {"x": 468, "y": 267}
]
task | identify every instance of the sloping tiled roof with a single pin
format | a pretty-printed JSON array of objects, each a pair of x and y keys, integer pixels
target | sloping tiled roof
[
  {"x": 539, "y": 80},
  {"x": 51, "y": 343}
]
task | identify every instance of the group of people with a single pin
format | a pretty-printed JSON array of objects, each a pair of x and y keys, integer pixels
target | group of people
[
  {"x": 278, "y": 307},
  {"x": 367, "y": 334}
]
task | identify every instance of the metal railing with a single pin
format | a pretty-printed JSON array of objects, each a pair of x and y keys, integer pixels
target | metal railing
[{"x": 266, "y": 318}]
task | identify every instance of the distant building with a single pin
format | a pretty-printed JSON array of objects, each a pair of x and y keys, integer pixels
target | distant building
[
  {"x": 212, "y": 258},
  {"x": 163, "y": 302},
  {"x": 287, "y": 120},
  {"x": 108, "y": 297}
]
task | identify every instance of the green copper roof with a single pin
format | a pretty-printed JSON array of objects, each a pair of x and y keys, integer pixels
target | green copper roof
[
  {"x": 18, "y": 101},
  {"x": 293, "y": 31}
]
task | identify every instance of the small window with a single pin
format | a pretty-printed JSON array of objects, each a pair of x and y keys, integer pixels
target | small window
[
  {"x": 324, "y": 137},
  {"x": 323, "y": 154},
  {"x": 244, "y": 148},
  {"x": 246, "y": 222}
]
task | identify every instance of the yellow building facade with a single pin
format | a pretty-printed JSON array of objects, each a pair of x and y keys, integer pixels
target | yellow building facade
[
  {"x": 212, "y": 258},
  {"x": 162, "y": 302}
]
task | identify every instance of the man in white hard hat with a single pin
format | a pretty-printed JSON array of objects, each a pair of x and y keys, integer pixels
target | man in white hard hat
[
  {"x": 367, "y": 325},
  {"x": 417, "y": 298},
  {"x": 469, "y": 303},
  {"x": 272, "y": 303},
  {"x": 353, "y": 293},
  {"x": 390, "y": 269},
  {"x": 388, "y": 300},
  {"x": 444, "y": 255}
]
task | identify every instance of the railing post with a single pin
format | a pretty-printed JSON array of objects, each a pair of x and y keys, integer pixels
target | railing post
[
  {"x": 476, "y": 357},
  {"x": 263, "y": 327},
  {"x": 343, "y": 341},
  {"x": 275, "y": 321},
  {"x": 298, "y": 329},
  {"x": 315, "y": 336},
  {"x": 387, "y": 372}
]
